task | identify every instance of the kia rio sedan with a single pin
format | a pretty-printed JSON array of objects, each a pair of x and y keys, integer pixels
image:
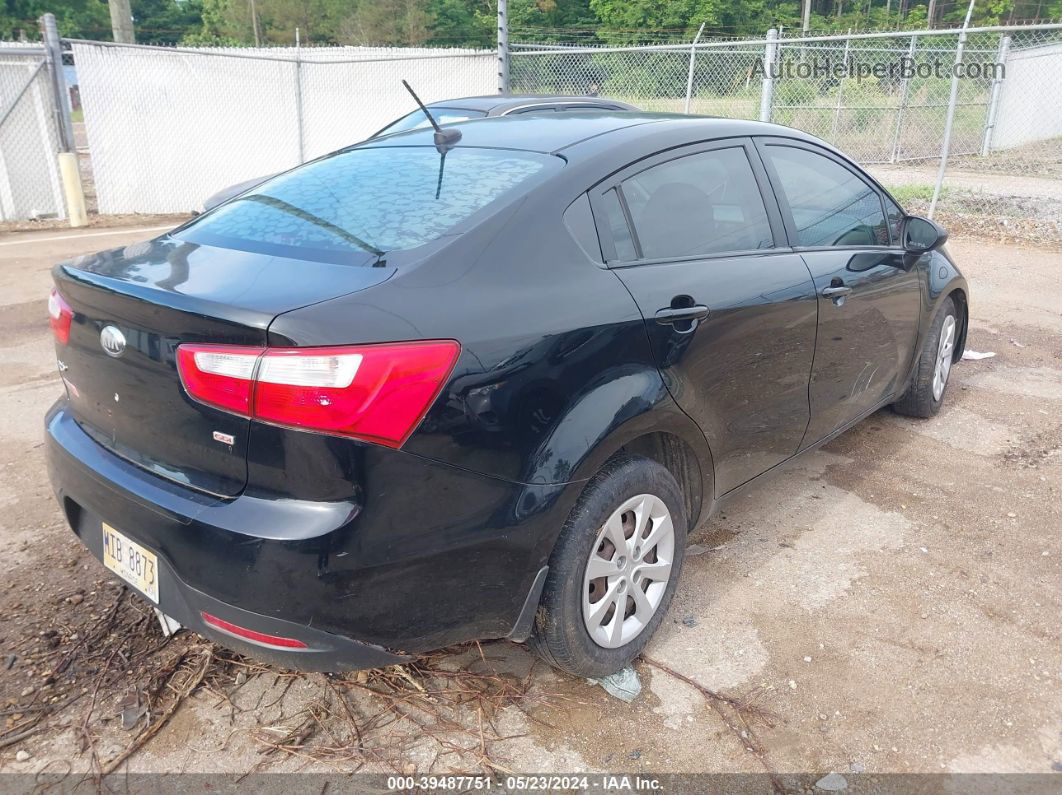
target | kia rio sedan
[{"x": 422, "y": 391}]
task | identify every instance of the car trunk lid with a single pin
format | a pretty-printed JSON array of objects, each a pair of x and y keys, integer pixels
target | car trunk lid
[{"x": 132, "y": 307}]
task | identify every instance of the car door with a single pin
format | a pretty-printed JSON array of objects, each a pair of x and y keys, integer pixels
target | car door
[
  {"x": 729, "y": 309},
  {"x": 847, "y": 231}
]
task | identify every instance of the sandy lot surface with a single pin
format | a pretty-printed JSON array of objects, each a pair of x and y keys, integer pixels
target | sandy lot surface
[{"x": 890, "y": 603}]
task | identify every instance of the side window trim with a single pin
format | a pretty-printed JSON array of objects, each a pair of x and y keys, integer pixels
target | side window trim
[
  {"x": 779, "y": 231},
  {"x": 604, "y": 230},
  {"x": 762, "y": 142},
  {"x": 886, "y": 199},
  {"x": 630, "y": 223}
]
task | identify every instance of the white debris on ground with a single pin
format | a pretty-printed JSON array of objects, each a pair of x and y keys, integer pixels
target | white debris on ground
[
  {"x": 973, "y": 356},
  {"x": 832, "y": 782},
  {"x": 623, "y": 684}
]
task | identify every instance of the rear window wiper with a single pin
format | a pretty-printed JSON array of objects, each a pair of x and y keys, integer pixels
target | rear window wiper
[{"x": 291, "y": 209}]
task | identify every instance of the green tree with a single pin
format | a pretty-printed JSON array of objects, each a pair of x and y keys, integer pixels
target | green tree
[
  {"x": 76, "y": 18},
  {"x": 165, "y": 21}
]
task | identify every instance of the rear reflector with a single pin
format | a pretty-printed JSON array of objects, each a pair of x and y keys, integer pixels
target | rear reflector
[
  {"x": 375, "y": 392},
  {"x": 260, "y": 638},
  {"x": 60, "y": 315}
]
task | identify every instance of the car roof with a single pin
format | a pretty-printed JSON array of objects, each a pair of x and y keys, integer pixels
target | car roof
[
  {"x": 561, "y": 132},
  {"x": 496, "y": 104}
]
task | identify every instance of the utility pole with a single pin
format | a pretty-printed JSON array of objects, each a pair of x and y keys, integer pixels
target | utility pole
[
  {"x": 67, "y": 156},
  {"x": 945, "y": 147},
  {"x": 254, "y": 24},
  {"x": 931, "y": 13},
  {"x": 689, "y": 76},
  {"x": 122, "y": 21},
  {"x": 807, "y": 17},
  {"x": 503, "y": 47}
]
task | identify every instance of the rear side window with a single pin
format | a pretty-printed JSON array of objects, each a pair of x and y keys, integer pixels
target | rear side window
[
  {"x": 367, "y": 200},
  {"x": 579, "y": 219},
  {"x": 831, "y": 206},
  {"x": 701, "y": 204}
]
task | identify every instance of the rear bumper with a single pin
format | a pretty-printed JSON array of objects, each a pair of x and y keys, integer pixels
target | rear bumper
[
  {"x": 420, "y": 556},
  {"x": 325, "y": 651}
]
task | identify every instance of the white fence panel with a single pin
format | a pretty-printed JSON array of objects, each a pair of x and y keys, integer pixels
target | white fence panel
[
  {"x": 167, "y": 128},
  {"x": 346, "y": 102},
  {"x": 1029, "y": 107},
  {"x": 29, "y": 169}
]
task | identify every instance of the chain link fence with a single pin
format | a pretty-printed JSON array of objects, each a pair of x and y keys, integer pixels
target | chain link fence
[
  {"x": 168, "y": 127},
  {"x": 29, "y": 176},
  {"x": 883, "y": 98}
]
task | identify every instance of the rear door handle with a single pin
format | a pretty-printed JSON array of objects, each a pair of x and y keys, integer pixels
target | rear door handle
[
  {"x": 677, "y": 314},
  {"x": 836, "y": 292}
]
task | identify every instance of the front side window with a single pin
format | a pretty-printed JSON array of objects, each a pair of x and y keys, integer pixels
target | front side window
[
  {"x": 371, "y": 200},
  {"x": 831, "y": 206},
  {"x": 702, "y": 204}
]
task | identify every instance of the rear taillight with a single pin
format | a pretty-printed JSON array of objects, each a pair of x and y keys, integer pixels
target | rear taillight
[
  {"x": 60, "y": 315},
  {"x": 374, "y": 392},
  {"x": 219, "y": 375}
]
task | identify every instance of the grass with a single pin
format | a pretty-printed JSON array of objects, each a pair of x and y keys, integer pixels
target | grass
[{"x": 908, "y": 193}]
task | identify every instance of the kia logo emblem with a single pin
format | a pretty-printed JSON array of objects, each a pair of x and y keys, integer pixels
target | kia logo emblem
[{"x": 112, "y": 340}]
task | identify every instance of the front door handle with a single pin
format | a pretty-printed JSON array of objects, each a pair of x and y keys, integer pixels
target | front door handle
[{"x": 677, "y": 314}]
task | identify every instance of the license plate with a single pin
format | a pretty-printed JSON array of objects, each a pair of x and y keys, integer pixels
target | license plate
[{"x": 130, "y": 561}]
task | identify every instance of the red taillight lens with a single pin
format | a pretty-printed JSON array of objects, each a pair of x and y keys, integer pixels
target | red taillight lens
[
  {"x": 219, "y": 375},
  {"x": 374, "y": 392},
  {"x": 60, "y": 315},
  {"x": 249, "y": 634}
]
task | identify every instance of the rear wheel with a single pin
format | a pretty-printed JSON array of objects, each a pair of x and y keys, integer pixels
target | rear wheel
[
  {"x": 925, "y": 394},
  {"x": 614, "y": 569}
]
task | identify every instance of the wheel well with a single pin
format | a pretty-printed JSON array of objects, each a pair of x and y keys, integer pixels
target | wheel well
[
  {"x": 959, "y": 296},
  {"x": 678, "y": 458}
]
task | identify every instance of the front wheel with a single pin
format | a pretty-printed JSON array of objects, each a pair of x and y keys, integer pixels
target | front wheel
[
  {"x": 925, "y": 394},
  {"x": 614, "y": 569}
]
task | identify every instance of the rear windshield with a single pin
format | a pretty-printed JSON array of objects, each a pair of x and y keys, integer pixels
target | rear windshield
[{"x": 368, "y": 201}]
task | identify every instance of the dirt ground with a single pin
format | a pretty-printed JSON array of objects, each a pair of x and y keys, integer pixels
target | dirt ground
[{"x": 889, "y": 603}]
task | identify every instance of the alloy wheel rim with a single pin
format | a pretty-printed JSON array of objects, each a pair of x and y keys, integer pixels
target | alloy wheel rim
[
  {"x": 945, "y": 347},
  {"x": 627, "y": 574}
]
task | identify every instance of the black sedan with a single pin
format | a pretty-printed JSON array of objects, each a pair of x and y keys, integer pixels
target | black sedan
[
  {"x": 449, "y": 111},
  {"x": 488, "y": 389}
]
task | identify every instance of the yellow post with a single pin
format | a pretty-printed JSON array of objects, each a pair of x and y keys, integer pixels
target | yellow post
[{"x": 75, "y": 197}]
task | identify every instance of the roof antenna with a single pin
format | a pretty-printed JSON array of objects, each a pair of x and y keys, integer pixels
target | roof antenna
[{"x": 444, "y": 139}]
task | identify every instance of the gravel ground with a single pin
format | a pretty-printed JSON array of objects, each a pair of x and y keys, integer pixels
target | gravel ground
[{"x": 889, "y": 603}]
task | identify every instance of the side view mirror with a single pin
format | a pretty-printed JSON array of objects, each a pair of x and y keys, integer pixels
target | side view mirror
[{"x": 921, "y": 235}]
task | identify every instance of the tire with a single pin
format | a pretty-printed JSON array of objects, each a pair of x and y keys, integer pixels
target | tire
[
  {"x": 926, "y": 392},
  {"x": 562, "y": 630}
]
